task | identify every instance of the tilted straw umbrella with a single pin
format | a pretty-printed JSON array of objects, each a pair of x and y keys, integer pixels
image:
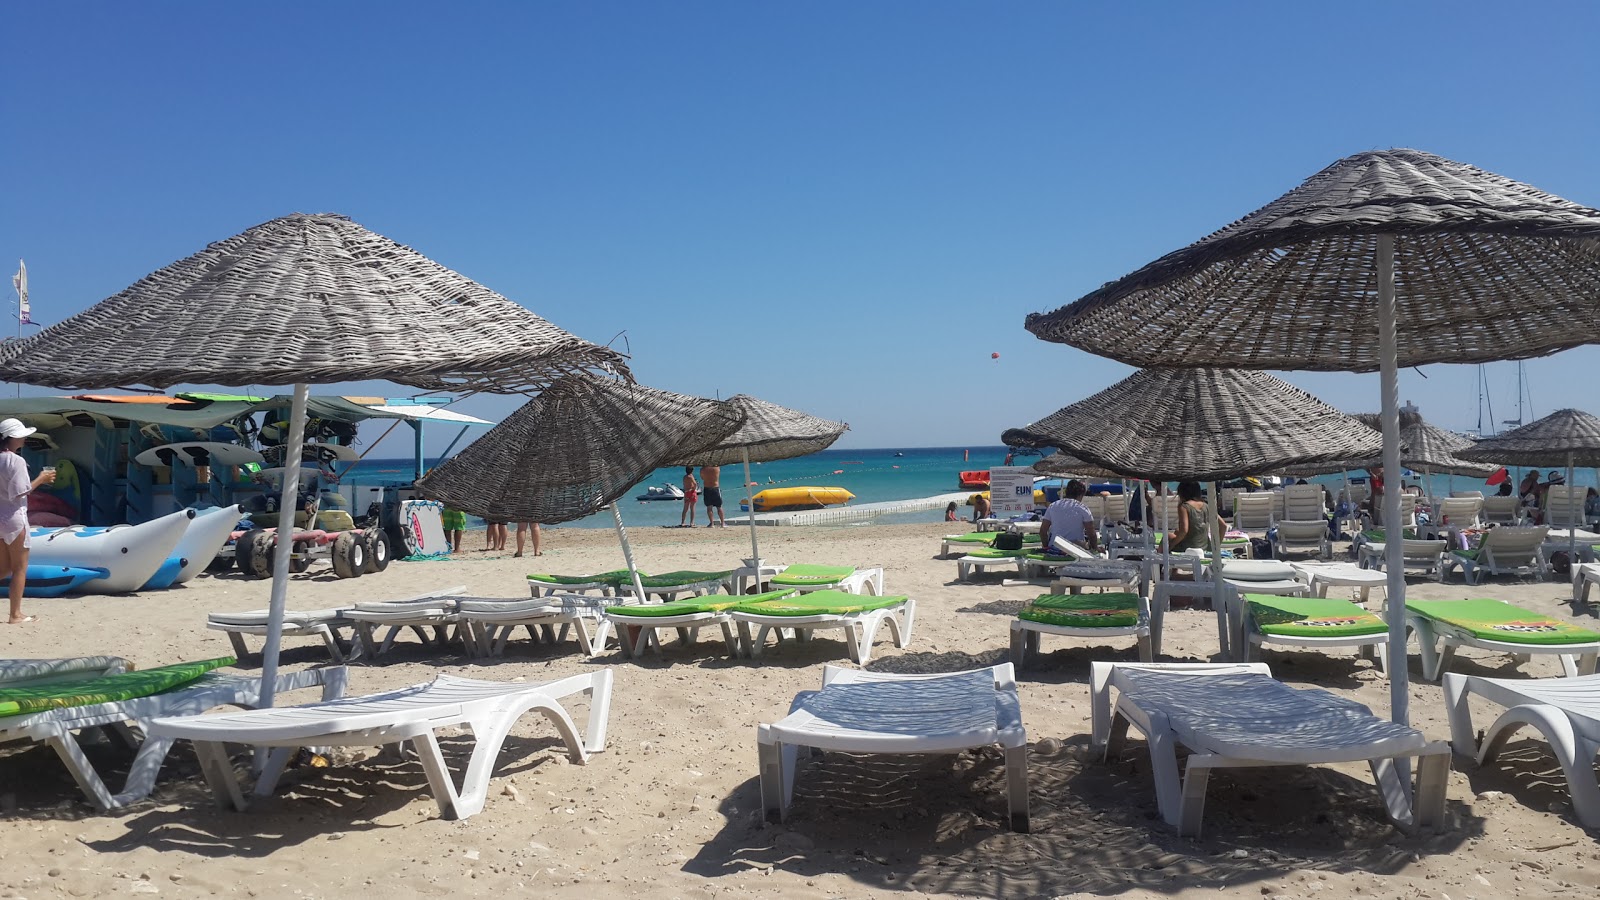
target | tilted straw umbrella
[
  {"x": 1569, "y": 437},
  {"x": 575, "y": 449},
  {"x": 770, "y": 432},
  {"x": 1383, "y": 259},
  {"x": 299, "y": 300},
  {"x": 1063, "y": 465},
  {"x": 1202, "y": 425},
  {"x": 1428, "y": 449}
]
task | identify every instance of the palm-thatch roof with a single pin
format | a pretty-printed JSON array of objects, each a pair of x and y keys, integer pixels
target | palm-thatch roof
[
  {"x": 578, "y": 446},
  {"x": 1065, "y": 465},
  {"x": 1485, "y": 268},
  {"x": 304, "y": 299},
  {"x": 1565, "y": 437},
  {"x": 770, "y": 432},
  {"x": 1202, "y": 424}
]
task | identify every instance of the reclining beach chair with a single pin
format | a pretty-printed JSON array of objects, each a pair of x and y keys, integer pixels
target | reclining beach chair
[
  {"x": 1084, "y": 616},
  {"x": 849, "y": 579},
  {"x": 983, "y": 559},
  {"x": 1563, "y": 506},
  {"x": 1459, "y": 512},
  {"x": 1253, "y": 513},
  {"x": 1427, "y": 557},
  {"x": 1235, "y": 715},
  {"x": 1502, "y": 511},
  {"x": 873, "y": 712},
  {"x": 1103, "y": 574},
  {"x": 323, "y": 623},
  {"x": 1256, "y": 576},
  {"x": 414, "y": 714},
  {"x": 435, "y": 613},
  {"x": 859, "y": 617},
  {"x": 57, "y": 726},
  {"x": 1565, "y": 710},
  {"x": 1583, "y": 575},
  {"x": 1315, "y": 622},
  {"x": 490, "y": 623},
  {"x": 671, "y": 584},
  {"x": 1503, "y": 551},
  {"x": 603, "y": 583},
  {"x": 637, "y": 625},
  {"x": 962, "y": 542},
  {"x": 1497, "y": 625},
  {"x": 1323, "y": 575}
]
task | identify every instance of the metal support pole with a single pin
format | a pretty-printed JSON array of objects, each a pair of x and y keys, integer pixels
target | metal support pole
[
  {"x": 285, "y": 540},
  {"x": 1218, "y": 587},
  {"x": 750, "y": 505},
  {"x": 1393, "y": 529},
  {"x": 627, "y": 552}
]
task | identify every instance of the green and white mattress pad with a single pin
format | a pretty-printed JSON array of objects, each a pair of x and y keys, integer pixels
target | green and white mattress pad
[
  {"x": 1311, "y": 617},
  {"x": 1496, "y": 620},
  {"x": 816, "y": 603},
  {"x": 806, "y": 574},
  {"x": 671, "y": 579},
  {"x": 16, "y": 701},
  {"x": 1109, "y": 610},
  {"x": 615, "y": 579}
]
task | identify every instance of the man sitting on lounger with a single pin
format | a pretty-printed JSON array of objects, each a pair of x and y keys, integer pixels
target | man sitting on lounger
[{"x": 1068, "y": 518}]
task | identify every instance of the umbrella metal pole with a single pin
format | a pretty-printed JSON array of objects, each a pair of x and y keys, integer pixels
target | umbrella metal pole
[
  {"x": 1166, "y": 543},
  {"x": 750, "y": 504},
  {"x": 285, "y": 539},
  {"x": 627, "y": 552},
  {"x": 1393, "y": 528},
  {"x": 1572, "y": 526},
  {"x": 1218, "y": 588},
  {"x": 1349, "y": 505}
]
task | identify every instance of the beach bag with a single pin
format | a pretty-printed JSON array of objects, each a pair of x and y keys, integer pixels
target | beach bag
[{"x": 1007, "y": 540}]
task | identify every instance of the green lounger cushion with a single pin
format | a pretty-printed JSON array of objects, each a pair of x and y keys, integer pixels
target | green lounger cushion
[
  {"x": 1311, "y": 616},
  {"x": 1117, "y": 610},
  {"x": 1376, "y": 535},
  {"x": 985, "y": 537},
  {"x": 809, "y": 574},
  {"x": 22, "y": 700},
  {"x": 1496, "y": 620},
  {"x": 818, "y": 603},
  {"x": 685, "y": 607},
  {"x": 1467, "y": 554},
  {"x": 683, "y": 576},
  {"x": 991, "y": 553},
  {"x": 615, "y": 579}
]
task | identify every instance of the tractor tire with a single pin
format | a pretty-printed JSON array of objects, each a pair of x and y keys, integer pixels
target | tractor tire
[
  {"x": 349, "y": 555},
  {"x": 377, "y": 545},
  {"x": 263, "y": 545},
  {"x": 301, "y": 560}
]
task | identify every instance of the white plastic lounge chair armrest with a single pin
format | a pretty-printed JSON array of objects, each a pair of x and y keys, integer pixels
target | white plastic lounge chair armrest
[{"x": 1068, "y": 548}]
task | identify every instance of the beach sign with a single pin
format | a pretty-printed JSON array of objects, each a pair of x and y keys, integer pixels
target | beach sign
[{"x": 1011, "y": 490}]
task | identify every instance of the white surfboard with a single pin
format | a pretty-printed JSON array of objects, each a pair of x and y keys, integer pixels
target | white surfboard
[{"x": 184, "y": 453}]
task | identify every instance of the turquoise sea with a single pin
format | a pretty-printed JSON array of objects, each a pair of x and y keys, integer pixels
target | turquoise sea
[{"x": 872, "y": 475}]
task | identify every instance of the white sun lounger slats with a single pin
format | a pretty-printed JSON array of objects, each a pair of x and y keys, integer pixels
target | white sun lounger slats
[
  {"x": 322, "y": 623},
  {"x": 435, "y": 610},
  {"x": 490, "y": 623},
  {"x": 860, "y": 628},
  {"x": 1565, "y": 710},
  {"x": 414, "y": 714},
  {"x": 868, "y": 712},
  {"x": 56, "y": 727},
  {"x": 1237, "y": 715}
]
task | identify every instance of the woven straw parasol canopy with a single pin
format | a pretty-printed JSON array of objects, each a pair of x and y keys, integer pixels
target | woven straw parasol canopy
[
  {"x": 1065, "y": 465},
  {"x": 304, "y": 299},
  {"x": 579, "y": 445},
  {"x": 770, "y": 432},
  {"x": 1427, "y": 447},
  {"x": 1200, "y": 424},
  {"x": 1485, "y": 268},
  {"x": 1565, "y": 437}
]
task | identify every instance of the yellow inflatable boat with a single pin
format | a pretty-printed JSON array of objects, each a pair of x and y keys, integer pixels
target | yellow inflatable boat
[
  {"x": 778, "y": 499},
  {"x": 1038, "y": 498}
]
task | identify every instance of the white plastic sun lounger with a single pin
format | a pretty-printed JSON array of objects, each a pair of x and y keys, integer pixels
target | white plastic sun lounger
[
  {"x": 1237, "y": 715},
  {"x": 435, "y": 611},
  {"x": 323, "y": 623},
  {"x": 1323, "y": 575},
  {"x": 871, "y": 712},
  {"x": 860, "y": 628},
  {"x": 490, "y": 623},
  {"x": 1514, "y": 551},
  {"x": 55, "y": 727},
  {"x": 1565, "y": 710},
  {"x": 413, "y": 714},
  {"x": 1583, "y": 575},
  {"x": 1576, "y": 657},
  {"x": 861, "y": 580}
]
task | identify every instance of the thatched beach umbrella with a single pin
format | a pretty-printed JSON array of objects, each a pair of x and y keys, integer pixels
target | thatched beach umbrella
[
  {"x": 1383, "y": 259},
  {"x": 770, "y": 432},
  {"x": 299, "y": 300},
  {"x": 575, "y": 449},
  {"x": 1201, "y": 425},
  {"x": 1065, "y": 465},
  {"x": 1569, "y": 437}
]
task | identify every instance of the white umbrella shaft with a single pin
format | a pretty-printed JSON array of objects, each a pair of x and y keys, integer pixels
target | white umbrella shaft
[
  {"x": 1573, "y": 521},
  {"x": 1393, "y": 528},
  {"x": 1218, "y": 588},
  {"x": 627, "y": 552},
  {"x": 285, "y": 538},
  {"x": 750, "y": 507}
]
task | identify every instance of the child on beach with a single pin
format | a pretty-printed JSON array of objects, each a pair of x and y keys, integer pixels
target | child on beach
[
  {"x": 455, "y": 525},
  {"x": 950, "y": 513}
]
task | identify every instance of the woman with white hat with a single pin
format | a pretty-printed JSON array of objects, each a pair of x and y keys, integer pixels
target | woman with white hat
[{"x": 14, "y": 489}]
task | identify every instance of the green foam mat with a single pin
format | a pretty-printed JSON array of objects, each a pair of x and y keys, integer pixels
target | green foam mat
[
  {"x": 683, "y": 576},
  {"x": 687, "y": 606},
  {"x": 808, "y": 574},
  {"x": 1311, "y": 616},
  {"x": 991, "y": 553},
  {"x": 1495, "y": 620},
  {"x": 819, "y": 603},
  {"x": 616, "y": 579},
  {"x": 22, "y": 700},
  {"x": 1111, "y": 610}
]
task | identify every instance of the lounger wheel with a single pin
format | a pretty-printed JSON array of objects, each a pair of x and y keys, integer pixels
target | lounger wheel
[
  {"x": 349, "y": 555},
  {"x": 300, "y": 557},
  {"x": 377, "y": 547}
]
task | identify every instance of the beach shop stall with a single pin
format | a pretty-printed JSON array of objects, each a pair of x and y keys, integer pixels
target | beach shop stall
[{"x": 133, "y": 458}]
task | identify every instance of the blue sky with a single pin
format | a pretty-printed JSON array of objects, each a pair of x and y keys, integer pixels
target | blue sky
[{"x": 842, "y": 207}]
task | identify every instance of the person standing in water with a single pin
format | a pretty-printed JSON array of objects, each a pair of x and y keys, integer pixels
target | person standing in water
[
  {"x": 711, "y": 480},
  {"x": 691, "y": 495},
  {"x": 15, "y": 487}
]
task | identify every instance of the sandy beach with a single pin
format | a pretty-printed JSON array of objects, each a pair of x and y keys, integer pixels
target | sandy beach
[{"x": 671, "y": 808}]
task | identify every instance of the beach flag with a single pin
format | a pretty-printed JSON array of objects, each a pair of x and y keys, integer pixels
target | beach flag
[
  {"x": 20, "y": 282},
  {"x": 1499, "y": 476}
]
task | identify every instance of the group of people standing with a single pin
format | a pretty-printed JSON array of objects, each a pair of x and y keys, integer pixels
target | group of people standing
[
  {"x": 455, "y": 527},
  {"x": 709, "y": 486}
]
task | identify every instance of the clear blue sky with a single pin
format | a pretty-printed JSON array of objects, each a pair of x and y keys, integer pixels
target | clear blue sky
[{"x": 843, "y": 207}]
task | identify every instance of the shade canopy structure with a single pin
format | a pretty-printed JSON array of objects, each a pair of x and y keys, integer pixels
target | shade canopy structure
[
  {"x": 1201, "y": 425},
  {"x": 1065, "y": 465},
  {"x": 770, "y": 432},
  {"x": 298, "y": 300},
  {"x": 1436, "y": 451},
  {"x": 1383, "y": 259},
  {"x": 1566, "y": 436}
]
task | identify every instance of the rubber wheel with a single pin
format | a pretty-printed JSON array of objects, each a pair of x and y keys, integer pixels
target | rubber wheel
[
  {"x": 301, "y": 560},
  {"x": 349, "y": 555},
  {"x": 377, "y": 545},
  {"x": 262, "y": 546}
]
